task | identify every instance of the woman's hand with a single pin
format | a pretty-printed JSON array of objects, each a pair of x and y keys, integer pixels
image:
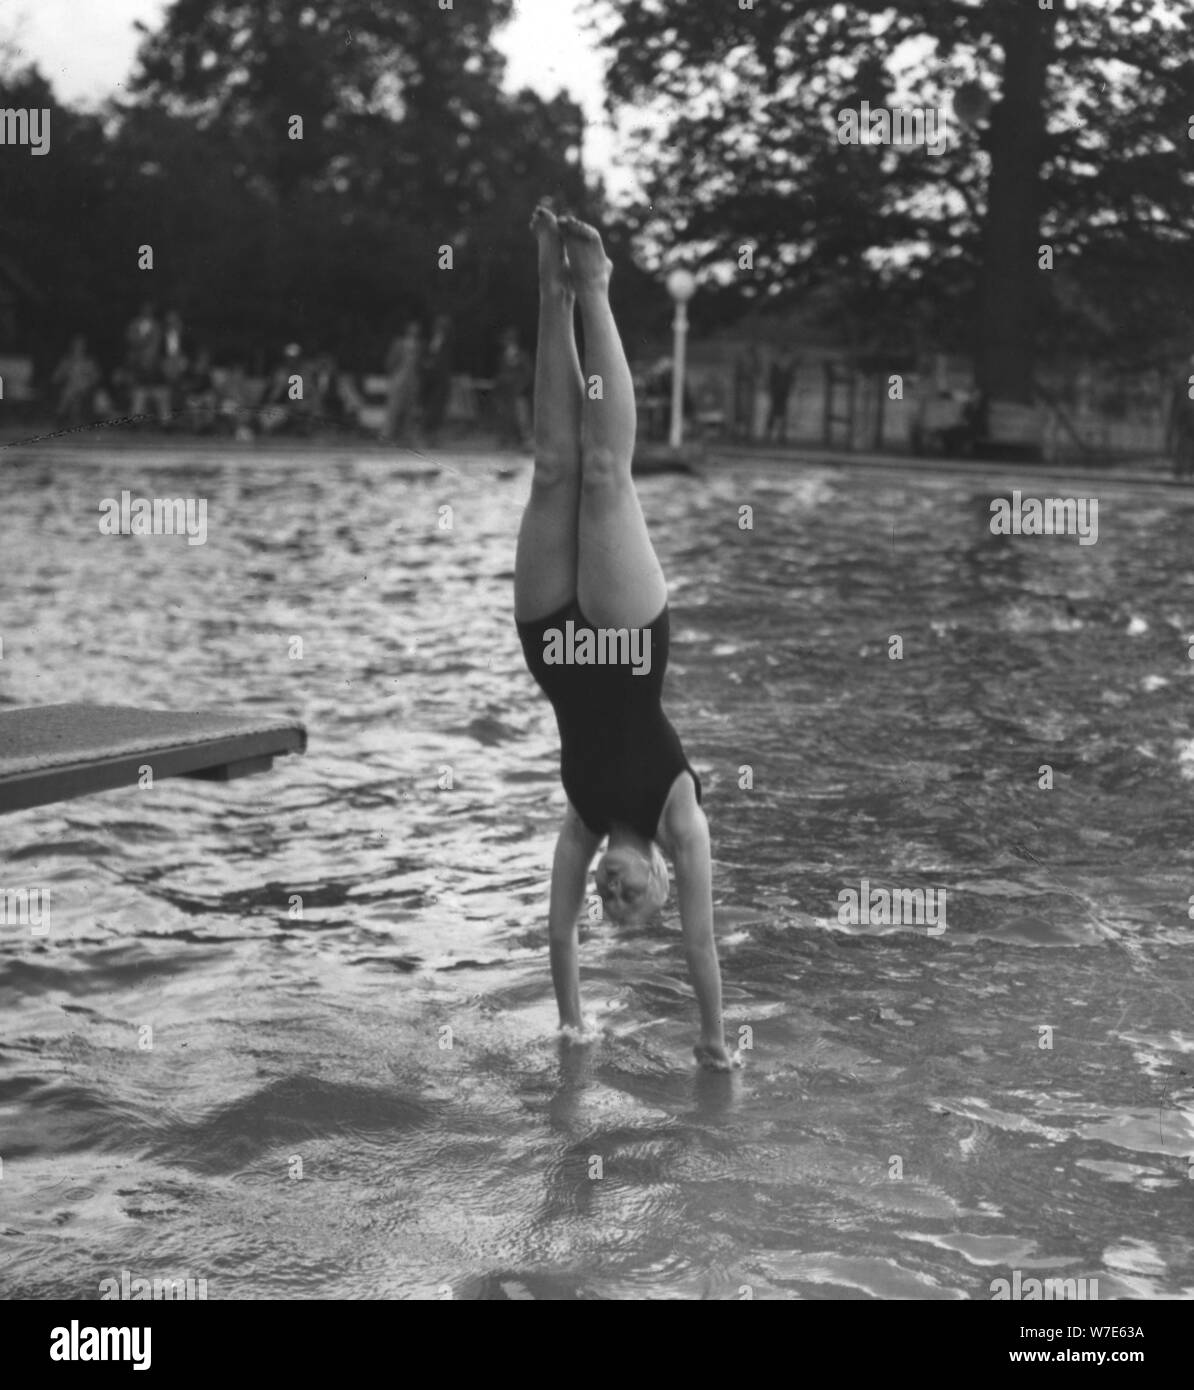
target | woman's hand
[{"x": 715, "y": 1056}]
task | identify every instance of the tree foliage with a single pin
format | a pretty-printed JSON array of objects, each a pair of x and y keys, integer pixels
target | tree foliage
[
  {"x": 409, "y": 143},
  {"x": 740, "y": 147}
]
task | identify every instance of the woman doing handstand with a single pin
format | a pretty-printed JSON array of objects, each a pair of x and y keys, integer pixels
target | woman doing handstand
[{"x": 590, "y": 602}]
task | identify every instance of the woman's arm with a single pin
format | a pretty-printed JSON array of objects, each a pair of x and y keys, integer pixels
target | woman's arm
[
  {"x": 688, "y": 837},
  {"x": 569, "y": 876}
]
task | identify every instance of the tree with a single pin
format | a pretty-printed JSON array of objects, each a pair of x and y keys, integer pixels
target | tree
[
  {"x": 306, "y": 164},
  {"x": 53, "y": 205},
  {"x": 1086, "y": 151}
]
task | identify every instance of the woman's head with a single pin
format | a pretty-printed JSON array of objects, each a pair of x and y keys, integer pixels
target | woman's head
[{"x": 632, "y": 880}]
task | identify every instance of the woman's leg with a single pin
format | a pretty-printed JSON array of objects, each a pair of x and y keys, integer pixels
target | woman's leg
[
  {"x": 545, "y": 562},
  {"x": 619, "y": 579}
]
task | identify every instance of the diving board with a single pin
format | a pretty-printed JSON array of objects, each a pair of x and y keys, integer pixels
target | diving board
[{"x": 54, "y": 752}]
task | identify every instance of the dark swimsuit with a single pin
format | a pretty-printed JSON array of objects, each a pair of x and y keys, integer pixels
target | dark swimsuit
[{"x": 619, "y": 755}]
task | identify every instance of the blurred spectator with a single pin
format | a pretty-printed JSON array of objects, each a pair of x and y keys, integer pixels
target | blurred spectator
[
  {"x": 659, "y": 394},
  {"x": 335, "y": 400},
  {"x": 284, "y": 405},
  {"x": 653, "y": 404},
  {"x": 511, "y": 384},
  {"x": 143, "y": 342},
  {"x": 352, "y": 402},
  {"x": 77, "y": 376},
  {"x": 437, "y": 375},
  {"x": 174, "y": 358},
  {"x": 960, "y": 440},
  {"x": 781, "y": 376},
  {"x": 237, "y": 401},
  {"x": 104, "y": 404},
  {"x": 402, "y": 367},
  {"x": 710, "y": 412},
  {"x": 1179, "y": 431},
  {"x": 199, "y": 398},
  {"x": 747, "y": 370}
]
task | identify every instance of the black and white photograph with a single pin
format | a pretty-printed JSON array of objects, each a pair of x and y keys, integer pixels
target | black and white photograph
[{"x": 596, "y": 663}]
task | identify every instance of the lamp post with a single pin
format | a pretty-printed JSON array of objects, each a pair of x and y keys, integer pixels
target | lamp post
[{"x": 681, "y": 285}]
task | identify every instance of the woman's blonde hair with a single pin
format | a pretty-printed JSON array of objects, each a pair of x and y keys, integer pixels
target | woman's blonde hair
[{"x": 660, "y": 884}]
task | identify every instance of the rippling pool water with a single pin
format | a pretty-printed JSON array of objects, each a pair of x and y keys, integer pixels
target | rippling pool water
[{"x": 899, "y": 1129}]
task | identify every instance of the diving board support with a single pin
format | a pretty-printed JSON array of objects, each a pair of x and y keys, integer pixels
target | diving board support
[{"x": 229, "y": 772}]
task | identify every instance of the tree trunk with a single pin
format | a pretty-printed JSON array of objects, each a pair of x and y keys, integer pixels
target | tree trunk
[{"x": 1011, "y": 232}]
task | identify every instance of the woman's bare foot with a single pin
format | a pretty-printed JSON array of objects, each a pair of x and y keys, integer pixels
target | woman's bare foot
[
  {"x": 588, "y": 264},
  {"x": 553, "y": 263}
]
